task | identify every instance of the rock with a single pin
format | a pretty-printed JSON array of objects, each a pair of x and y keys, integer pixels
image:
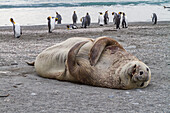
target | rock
[
  {"x": 6, "y": 100},
  {"x": 14, "y": 63}
]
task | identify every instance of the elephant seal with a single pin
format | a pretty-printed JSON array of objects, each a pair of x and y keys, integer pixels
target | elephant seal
[{"x": 101, "y": 62}]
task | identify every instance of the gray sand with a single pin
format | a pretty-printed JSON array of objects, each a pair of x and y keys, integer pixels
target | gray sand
[{"x": 23, "y": 91}]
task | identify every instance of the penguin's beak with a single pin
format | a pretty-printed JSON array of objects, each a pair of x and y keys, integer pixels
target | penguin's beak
[{"x": 11, "y": 20}]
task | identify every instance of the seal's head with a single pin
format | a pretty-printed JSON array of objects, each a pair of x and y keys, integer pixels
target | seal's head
[{"x": 136, "y": 74}]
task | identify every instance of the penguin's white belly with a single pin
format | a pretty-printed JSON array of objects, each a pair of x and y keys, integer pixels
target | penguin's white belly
[
  {"x": 121, "y": 19},
  {"x": 52, "y": 23},
  {"x": 17, "y": 30},
  {"x": 101, "y": 20},
  {"x": 126, "y": 20},
  {"x": 153, "y": 20}
]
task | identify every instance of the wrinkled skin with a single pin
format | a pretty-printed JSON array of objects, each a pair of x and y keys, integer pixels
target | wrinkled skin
[{"x": 102, "y": 62}]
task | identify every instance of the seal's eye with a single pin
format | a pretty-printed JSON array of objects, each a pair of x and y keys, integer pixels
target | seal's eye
[
  {"x": 141, "y": 72},
  {"x": 147, "y": 69}
]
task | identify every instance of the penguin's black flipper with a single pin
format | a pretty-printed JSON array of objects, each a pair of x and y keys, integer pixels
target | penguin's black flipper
[{"x": 21, "y": 31}]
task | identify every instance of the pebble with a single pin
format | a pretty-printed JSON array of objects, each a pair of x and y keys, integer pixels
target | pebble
[
  {"x": 14, "y": 63},
  {"x": 159, "y": 104},
  {"x": 135, "y": 103},
  {"x": 127, "y": 92},
  {"x": 3, "y": 72},
  {"x": 140, "y": 90},
  {"x": 131, "y": 47},
  {"x": 111, "y": 96},
  {"x": 33, "y": 94},
  {"x": 6, "y": 100}
]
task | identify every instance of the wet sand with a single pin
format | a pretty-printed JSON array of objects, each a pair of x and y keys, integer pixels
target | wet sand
[{"x": 22, "y": 90}]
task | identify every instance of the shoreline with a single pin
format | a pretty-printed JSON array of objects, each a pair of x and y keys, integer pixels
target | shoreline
[
  {"x": 79, "y": 24},
  {"x": 93, "y": 28}
]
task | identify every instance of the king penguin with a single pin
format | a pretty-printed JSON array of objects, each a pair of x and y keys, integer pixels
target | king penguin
[
  {"x": 101, "y": 19},
  {"x": 51, "y": 23},
  {"x": 16, "y": 28},
  {"x": 118, "y": 20},
  {"x": 114, "y": 17},
  {"x": 154, "y": 19},
  {"x": 124, "y": 21}
]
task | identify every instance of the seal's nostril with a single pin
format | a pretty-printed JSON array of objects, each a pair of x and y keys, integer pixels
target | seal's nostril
[
  {"x": 147, "y": 69},
  {"x": 141, "y": 72}
]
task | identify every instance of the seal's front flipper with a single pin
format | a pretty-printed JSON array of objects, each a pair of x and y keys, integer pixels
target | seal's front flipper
[{"x": 100, "y": 45}]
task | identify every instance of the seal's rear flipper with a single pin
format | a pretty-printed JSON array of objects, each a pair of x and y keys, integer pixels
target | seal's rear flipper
[{"x": 30, "y": 63}]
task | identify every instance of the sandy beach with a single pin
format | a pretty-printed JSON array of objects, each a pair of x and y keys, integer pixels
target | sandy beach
[{"x": 23, "y": 91}]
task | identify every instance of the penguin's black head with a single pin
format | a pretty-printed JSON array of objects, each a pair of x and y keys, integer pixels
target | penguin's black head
[
  {"x": 120, "y": 12},
  {"x": 48, "y": 18},
  {"x": 68, "y": 26},
  {"x": 11, "y": 19}
]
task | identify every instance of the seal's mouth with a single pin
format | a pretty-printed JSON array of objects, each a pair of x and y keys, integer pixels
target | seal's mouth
[
  {"x": 137, "y": 74},
  {"x": 142, "y": 84}
]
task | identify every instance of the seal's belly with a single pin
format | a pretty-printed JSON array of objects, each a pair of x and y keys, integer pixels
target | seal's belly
[{"x": 51, "y": 61}]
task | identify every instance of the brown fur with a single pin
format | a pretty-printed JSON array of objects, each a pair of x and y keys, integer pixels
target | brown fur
[{"x": 103, "y": 62}]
